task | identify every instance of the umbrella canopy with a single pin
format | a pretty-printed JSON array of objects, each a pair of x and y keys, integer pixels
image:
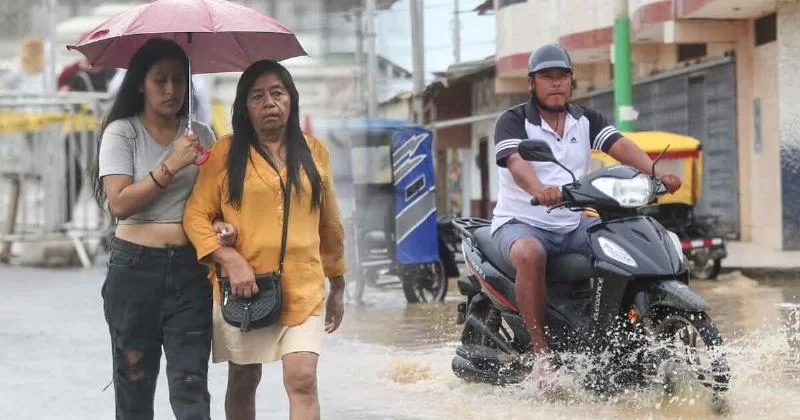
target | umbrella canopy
[{"x": 217, "y": 35}]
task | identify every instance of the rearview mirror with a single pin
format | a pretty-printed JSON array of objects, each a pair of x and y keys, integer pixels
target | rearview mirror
[
  {"x": 536, "y": 151},
  {"x": 540, "y": 151},
  {"x": 653, "y": 170}
]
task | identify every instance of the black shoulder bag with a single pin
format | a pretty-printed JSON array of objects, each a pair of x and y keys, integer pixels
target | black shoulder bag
[{"x": 264, "y": 309}]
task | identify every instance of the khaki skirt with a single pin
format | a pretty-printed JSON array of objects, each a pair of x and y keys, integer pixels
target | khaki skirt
[{"x": 265, "y": 345}]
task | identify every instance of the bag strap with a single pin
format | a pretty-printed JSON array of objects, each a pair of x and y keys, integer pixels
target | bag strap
[
  {"x": 287, "y": 195},
  {"x": 287, "y": 191}
]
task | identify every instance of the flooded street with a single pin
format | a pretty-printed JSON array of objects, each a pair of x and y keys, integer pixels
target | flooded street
[
  {"x": 389, "y": 360},
  {"x": 419, "y": 341}
]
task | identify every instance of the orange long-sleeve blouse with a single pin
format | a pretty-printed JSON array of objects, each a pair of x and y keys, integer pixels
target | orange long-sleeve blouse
[{"x": 315, "y": 238}]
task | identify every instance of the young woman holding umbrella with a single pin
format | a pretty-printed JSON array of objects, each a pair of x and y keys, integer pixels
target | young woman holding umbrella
[{"x": 155, "y": 293}]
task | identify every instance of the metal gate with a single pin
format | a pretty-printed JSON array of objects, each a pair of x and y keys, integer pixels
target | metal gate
[{"x": 699, "y": 101}]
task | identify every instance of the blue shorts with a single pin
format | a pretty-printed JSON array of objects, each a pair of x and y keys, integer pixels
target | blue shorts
[{"x": 575, "y": 241}]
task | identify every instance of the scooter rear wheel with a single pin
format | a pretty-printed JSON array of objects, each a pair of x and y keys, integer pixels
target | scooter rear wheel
[{"x": 425, "y": 283}]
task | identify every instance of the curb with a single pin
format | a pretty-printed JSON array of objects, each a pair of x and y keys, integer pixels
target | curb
[{"x": 765, "y": 273}]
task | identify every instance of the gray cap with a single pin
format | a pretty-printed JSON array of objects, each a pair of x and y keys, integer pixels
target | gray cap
[{"x": 550, "y": 56}]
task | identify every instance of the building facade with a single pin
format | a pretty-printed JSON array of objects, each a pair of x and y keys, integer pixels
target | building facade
[{"x": 330, "y": 80}]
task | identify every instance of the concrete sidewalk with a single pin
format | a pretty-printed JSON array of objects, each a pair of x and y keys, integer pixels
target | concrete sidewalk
[{"x": 756, "y": 260}]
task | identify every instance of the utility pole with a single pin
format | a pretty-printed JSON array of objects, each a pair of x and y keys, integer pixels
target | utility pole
[
  {"x": 372, "y": 60},
  {"x": 624, "y": 113},
  {"x": 327, "y": 30},
  {"x": 358, "y": 15},
  {"x": 50, "y": 54},
  {"x": 418, "y": 48},
  {"x": 456, "y": 32}
]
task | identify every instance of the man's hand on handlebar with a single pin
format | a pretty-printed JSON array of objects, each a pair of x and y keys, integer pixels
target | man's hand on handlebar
[
  {"x": 548, "y": 196},
  {"x": 671, "y": 181}
]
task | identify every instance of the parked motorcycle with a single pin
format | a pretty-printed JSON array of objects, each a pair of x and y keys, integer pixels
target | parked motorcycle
[
  {"x": 449, "y": 239},
  {"x": 421, "y": 283},
  {"x": 629, "y": 308},
  {"x": 385, "y": 173}
]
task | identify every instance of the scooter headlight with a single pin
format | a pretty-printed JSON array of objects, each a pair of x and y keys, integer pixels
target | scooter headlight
[
  {"x": 614, "y": 251},
  {"x": 631, "y": 192}
]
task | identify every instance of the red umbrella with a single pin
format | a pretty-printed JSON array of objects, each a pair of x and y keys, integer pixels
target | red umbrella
[{"x": 217, "y": 35}]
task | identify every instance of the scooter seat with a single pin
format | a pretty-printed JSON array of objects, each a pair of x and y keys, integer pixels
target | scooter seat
[
  {"x": 561, "y": 268},
  {"x": 491, "y": 249}
]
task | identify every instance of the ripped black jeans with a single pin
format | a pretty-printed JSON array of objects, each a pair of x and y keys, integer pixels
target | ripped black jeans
[{"x": 156, "y": 297}]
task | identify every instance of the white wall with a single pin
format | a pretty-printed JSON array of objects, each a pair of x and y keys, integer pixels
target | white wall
[
  {"x": 789, "y": 124},
  {"x": 522, "y": 26}
]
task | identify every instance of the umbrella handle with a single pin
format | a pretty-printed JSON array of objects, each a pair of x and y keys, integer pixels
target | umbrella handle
[{"x": 203, "y": 153}]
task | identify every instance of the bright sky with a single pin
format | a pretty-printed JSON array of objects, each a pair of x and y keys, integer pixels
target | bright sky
[{"x": 394, "y": 34}]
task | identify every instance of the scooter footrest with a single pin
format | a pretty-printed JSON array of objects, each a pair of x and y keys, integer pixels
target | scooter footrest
[
  {"x": 471, "y": 372},
  {"x": 486, "y": 357}
]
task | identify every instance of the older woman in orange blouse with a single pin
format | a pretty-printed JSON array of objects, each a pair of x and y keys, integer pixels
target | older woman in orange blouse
[{"x": 242, "y": 184}]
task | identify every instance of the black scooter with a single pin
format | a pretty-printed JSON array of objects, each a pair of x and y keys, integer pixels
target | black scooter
[{"x": 629, "y": 307}]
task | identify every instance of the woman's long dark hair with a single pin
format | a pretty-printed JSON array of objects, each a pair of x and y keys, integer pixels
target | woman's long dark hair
[
  {"x": 129, "y": 101},
  {"x": 244, "y": 137}
]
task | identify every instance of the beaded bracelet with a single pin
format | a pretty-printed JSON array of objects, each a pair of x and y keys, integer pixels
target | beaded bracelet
[
  {"x": 154, "y": 180},
  {"x": 167, "y": 171}
]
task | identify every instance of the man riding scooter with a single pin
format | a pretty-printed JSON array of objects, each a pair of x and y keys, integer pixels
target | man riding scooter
[{"x": 528, "y": 235}]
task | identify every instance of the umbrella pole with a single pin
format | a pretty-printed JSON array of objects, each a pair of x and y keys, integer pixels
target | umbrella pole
[
  {"x": 188, "y": 54},
  {"x": 189, "y": 120},
  {"x": 202, "y": 153}
]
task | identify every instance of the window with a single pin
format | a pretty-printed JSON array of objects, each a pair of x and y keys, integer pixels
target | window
[
  {"x": 766, "y": 29},
  {"x": 688, "y": 52},
  {"x": 415, "y": 187}
]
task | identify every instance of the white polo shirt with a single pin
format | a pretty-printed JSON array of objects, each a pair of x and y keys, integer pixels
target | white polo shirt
[{"x": 585, "y": 129}]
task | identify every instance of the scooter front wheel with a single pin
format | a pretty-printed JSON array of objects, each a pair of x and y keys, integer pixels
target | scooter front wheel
[
  {"x": 707, "y": 269},
  {"x": 690, "y": 342}
]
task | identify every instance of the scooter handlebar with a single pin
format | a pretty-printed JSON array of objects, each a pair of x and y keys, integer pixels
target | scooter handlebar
[
  {"x": 661, "y": 189},
  {"x": 534, "y": 201}
]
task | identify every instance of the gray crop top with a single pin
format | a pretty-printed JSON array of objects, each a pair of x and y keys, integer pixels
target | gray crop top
[{"x": 128, "y": 149}]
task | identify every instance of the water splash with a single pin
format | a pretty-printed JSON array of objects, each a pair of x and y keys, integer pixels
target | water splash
[
  {"x": 409, "y": 375},
  {"x": 764, "y": 374},
  {"x": 408, "y": 371}
]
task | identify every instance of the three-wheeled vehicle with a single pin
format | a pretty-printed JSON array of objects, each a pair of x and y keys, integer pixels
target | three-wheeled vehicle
[
  {"x": 703, "y": 247},
  {"x": 384, "y": 177}
]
